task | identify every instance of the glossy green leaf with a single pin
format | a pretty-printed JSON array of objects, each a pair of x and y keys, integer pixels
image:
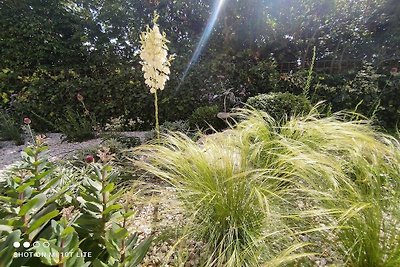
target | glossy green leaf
[
  {"x": 33, "y": 205},
  {"x": 42, "y": 221}
]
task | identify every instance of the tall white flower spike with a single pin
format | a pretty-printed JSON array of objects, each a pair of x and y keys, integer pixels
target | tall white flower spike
[
  {"x": 155, "y": 62},
  {"x": 154, "y": 57}
]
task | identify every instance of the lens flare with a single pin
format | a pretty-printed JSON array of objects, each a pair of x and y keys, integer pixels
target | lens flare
[{"x": 203, "y": 40}]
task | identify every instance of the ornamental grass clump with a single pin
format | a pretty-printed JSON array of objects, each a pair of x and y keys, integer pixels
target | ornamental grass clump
[
  {"x": 229, "y": 201},
  {"x": 353, "y": 174},
  {"x": 257, "y": 189},
  {"x": 237, "y": 208},
  {"x": 155, "y": 62}
]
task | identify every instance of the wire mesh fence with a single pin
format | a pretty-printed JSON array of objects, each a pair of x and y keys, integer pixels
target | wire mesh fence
[{"x": 336, "y": 66}]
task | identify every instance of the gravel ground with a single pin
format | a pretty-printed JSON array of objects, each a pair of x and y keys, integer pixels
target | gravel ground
[{"x": 11, "y": 154}]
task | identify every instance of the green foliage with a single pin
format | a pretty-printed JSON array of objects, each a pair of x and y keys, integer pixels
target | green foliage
[
  {"x": 367, "y": 92},
  {"x": 363, "y": 91},
  {"x": 117, "y": 142},
  {"x": 175, "y": 126},
  {"x": 27, "y": 201},
  {"x": 91, "y": 229},
  {"x": 27, "y": 204},
  {"x": 389, "y": 109},
  {"x": 263, "y": 75},
  {"x": 9, "y": 129},
  {"x": 7, "y": 249},
  {"x": 76, "y": 127},
  {"x": 361, "y": 178},
  {"x": 63, "y": 246},
  {"x": 129, "y": 141},
  {"x": 280, "y": 105},
  {"x": 89, "y": 47},
  {"x": 100, "y": 204},
  {"x": 171, "y": 126},
  {"x": 205, "y": 118}
]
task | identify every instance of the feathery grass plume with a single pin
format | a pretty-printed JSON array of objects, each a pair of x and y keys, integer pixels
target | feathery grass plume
[
  {"x": 349, "y": 167},
  {"x": 155, "y": 62},
  {"x": 310, "y": 73},
  {"x": 252, "y": 190},
  {"x": 233, "y": 205}
]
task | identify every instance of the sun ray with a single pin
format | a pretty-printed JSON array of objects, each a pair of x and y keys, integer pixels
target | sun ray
[{"x": 204, "y": 38}]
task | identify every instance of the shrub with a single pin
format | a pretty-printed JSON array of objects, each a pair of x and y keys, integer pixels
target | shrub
[
  {"x": 129, "y": 141},
  {"x": 363, "y": 91},
  {"x": 28, "y": 201},
  {"x": 175, "y": 126},
  {"x": 93, "y": 216},
  {"x": 206, "y": 117},
  {"x": 260, "y": 76},
  {"x": 170, "y": 126},
  {"x": 104, "y": 215},
  {"x": 75, "y": 127},
  {"x": 389, "y": 110},
  {"x": 280, "y": 105},
  {"x": 119, "y": 141},
  {"x": 10, "y": 130}
]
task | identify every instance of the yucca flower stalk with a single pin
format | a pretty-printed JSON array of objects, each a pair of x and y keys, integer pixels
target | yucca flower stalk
[{"x": 155, "y": 62}]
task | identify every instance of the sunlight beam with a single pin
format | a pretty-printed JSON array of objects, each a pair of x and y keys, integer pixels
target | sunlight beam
[{"x": 203, "y": 40}]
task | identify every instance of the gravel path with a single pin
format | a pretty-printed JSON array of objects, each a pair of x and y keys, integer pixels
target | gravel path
[{"x": 11, "y": 154}]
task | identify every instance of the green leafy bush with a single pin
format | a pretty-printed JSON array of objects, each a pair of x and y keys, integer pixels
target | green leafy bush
[
  {"x": 388, "y": 113},
  {"x": 129, "y": 141},
  {"x": 363, "y": 94},
  {"x": 103, "y": 218},
  {"x": 367, "y": 92},
  {"x": 259, "y": 75},
  {"x": 119, "y": 141},
  {"x": 27, "y": 204},
  {"x": 296, "y": 82},
  {"x": 171, "y": 126},
  {"x": 280, "y": 105},
  {"x": 175, "y": 126},
  {"x": 90, "y": 230},
  {"x": 206, "y": 117}
]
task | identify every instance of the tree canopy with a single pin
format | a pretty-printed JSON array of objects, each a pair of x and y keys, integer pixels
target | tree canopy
[{"x": 53, "y": 49}]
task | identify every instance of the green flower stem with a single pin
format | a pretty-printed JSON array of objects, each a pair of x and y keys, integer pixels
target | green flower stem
[
  {"x": 156, "y": 115},
  {"x": 31, "y": 134},
  {"x": 105, "y": 201}
]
